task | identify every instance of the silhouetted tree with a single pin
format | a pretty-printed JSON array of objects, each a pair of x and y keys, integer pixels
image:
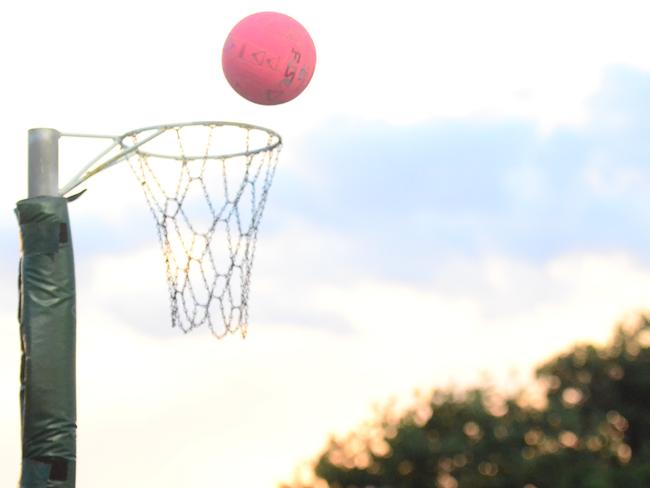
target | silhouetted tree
[{"x": 590, "y": 429}]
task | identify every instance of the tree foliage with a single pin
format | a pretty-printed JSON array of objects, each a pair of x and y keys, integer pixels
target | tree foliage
[{"x": 590, "y": 428}]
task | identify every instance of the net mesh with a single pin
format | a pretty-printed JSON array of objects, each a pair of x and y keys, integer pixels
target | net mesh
[{"x": 206, "y": 185}]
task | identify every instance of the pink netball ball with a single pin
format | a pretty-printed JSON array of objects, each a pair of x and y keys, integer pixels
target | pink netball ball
[{"x": 269, "y": 58}]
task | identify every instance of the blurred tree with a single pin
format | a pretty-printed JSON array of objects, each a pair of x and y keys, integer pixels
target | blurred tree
[{"x": 589, "y": 428}]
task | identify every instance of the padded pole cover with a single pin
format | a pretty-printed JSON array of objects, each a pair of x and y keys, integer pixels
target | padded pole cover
[{"x": 47, "y": 332}]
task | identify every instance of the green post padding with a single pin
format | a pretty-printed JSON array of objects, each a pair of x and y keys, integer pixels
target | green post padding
[
  {"x": 35, "y": 474},
  {"x": 47, "y": 333}
]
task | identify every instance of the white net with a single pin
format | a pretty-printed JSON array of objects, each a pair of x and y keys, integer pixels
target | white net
[{"x": 206, "y": 185}]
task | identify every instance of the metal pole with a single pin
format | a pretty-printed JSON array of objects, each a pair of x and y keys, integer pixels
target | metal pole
[
  {"x": 43, "y": 171},
  {"x": 47, "y": 323}
]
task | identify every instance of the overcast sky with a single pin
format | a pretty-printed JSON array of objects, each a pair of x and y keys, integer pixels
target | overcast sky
[{"x": 462, "y": 190}]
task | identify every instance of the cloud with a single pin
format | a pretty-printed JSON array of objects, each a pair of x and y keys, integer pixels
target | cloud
[
  {"x": 210, "y": 408},
  {"x": 424, "y": 205},
  {"x": 406, "y": 198}
]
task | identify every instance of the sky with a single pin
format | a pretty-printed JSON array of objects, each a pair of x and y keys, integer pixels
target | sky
[{"x": 461, "y": 194}]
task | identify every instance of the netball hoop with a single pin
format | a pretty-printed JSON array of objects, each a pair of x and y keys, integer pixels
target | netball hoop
[{"x": 206, "y": 184}]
